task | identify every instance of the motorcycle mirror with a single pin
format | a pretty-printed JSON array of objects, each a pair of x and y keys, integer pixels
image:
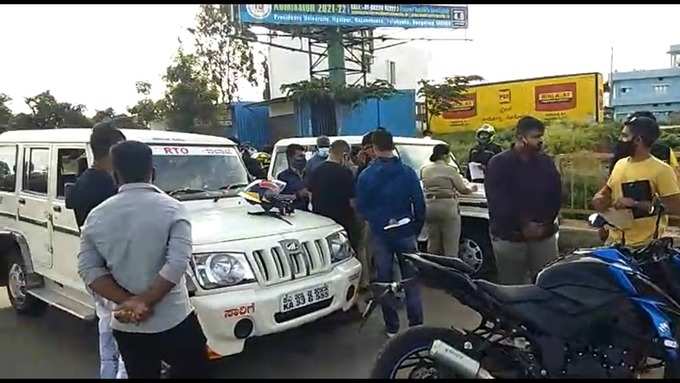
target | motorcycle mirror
[
  {"x": 597, "y": 220},
  {"x": 658, "y": 207}
]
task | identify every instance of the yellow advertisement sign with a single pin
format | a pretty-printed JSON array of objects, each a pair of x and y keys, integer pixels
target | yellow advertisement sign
[{"x": 577, "y": 97}]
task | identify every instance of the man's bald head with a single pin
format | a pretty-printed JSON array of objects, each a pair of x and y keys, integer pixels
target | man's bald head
[{"x": 339, "y": 150}]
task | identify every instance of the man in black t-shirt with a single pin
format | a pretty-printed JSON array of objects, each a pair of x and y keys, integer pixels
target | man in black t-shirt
[
  {"x": 332, "y": 188},
  {"x": 96, "y": 184},
  {"x": 93, "y": 187}
]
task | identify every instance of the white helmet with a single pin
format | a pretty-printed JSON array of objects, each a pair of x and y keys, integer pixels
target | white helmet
[
  {"x": 485, "y": 128},
  {"x": 262, "y": 196}
]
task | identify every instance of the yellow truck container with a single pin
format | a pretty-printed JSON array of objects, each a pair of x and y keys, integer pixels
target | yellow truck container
[{"x": 575, "y": 97}]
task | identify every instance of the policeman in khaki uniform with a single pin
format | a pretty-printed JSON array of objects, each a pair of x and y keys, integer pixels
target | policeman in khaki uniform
[{"x": 442, "y": 182}]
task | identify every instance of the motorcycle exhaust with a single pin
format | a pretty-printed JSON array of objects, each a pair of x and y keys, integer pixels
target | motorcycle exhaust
[{"x": 458, "y": 361}]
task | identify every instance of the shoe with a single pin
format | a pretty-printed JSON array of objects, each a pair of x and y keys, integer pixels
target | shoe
[{"x": 390, "y": 334}]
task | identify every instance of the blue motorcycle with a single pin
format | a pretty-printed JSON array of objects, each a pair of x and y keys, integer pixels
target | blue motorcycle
[{"x": 608, "y": 312}]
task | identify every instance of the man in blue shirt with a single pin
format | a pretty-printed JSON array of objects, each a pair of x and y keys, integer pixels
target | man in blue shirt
[
  {"x": 293, "y": 176},
  {"x": 389, "y": 194}
]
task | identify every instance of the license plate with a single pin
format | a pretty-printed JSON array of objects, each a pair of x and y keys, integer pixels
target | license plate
[{"x": 306, "y": 297}]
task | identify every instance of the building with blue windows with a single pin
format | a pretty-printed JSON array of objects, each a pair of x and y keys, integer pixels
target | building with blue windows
[{"x": 656, "y": 90}]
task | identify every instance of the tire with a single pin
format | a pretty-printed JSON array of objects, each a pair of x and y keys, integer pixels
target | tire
[
  {"x": 475, "y": 238},
  {"x": 408, "y": 342},
  {"x": 22, "y": 302}
]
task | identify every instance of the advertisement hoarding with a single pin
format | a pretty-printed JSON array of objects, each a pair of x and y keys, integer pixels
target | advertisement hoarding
[
  {"x": 356, "y": 15},
  {"x": 577, "y": 97}
]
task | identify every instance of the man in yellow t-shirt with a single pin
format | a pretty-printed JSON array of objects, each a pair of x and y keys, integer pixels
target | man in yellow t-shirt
[{"x": 636, "y": 181}]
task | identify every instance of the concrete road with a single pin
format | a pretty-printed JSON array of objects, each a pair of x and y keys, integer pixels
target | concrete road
[{"x": 58, "y": 345}]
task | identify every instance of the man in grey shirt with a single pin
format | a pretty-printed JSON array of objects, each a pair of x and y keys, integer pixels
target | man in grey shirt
[{"x": 135, "y": 249}]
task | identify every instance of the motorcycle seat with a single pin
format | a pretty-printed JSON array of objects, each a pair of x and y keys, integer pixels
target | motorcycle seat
[
  {"x": 514, "y": 293},
  {"x": 449, "y": 262}
]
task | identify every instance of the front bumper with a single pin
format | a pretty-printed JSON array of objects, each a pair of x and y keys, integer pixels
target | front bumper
[{"x": 219, "y": 313}]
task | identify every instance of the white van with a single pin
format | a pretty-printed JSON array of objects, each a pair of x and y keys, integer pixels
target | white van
[
  {"x": 296, "y": 271},
  {"x": 475, "y": 246}
]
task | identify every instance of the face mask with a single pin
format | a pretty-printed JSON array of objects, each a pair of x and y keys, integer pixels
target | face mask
[
  {"x": 323, "y": 152},
  {"x": 299, "y": 163},
  {"x": 625, "y": 148}
]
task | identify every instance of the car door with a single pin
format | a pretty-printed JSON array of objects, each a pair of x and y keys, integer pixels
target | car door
[
  {"x": 8, "y": 196},
  {"x": 70, "y": 160},
  {"x": 34, "y": 204}
]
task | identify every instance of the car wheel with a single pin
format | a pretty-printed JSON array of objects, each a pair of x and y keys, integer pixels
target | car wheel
[
  {"x": 475, "y": 248},
  {"x": 22, "y": 302}
]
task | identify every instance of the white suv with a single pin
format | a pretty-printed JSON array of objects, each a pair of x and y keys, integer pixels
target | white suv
[
  {"x": 296, "y": 271},
  {"x": 475, "y": 246}
]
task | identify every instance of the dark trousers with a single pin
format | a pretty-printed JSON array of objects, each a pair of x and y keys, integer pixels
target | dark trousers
[
  {"x": 384, "y": 251},
  {"x": 183, "y": 347}
]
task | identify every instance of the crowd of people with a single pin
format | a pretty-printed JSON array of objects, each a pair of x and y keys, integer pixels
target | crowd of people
[
  {"x": 383, "y": 207},
  {"x": 146, "y": 318}
]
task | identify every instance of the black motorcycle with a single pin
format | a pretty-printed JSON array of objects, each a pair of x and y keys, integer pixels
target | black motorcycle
[{"x": 595, "y": 313}]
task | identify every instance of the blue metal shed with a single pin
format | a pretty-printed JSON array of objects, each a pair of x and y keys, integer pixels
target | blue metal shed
[
  {"x": 396, "y": 114},
  {"x": 250, "y": 123}
]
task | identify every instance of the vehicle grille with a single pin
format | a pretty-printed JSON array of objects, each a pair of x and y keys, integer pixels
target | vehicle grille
[{"x": 276, "y": 264}]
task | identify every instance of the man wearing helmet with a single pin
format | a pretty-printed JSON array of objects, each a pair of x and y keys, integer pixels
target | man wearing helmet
[{"x": 484, "y": 150}]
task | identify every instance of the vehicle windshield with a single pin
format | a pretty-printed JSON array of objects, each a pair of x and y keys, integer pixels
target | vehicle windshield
[
  {"x": 196, "y": 169},
  {"x": 417, "y": 156}
]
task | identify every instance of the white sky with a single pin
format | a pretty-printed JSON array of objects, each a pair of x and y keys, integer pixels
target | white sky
[{"x": 93, "y": 54}]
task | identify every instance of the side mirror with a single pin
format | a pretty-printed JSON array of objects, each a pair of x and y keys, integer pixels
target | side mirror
[
  {"x": 658, "y": 207},
  {"x": 597, "y": 220}
]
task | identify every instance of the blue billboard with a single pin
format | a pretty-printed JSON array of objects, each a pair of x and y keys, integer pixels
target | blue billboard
[{"x": 356, "y": 15}]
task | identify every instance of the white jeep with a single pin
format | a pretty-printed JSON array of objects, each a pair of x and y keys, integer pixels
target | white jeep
[
  {"x": 294, "y": 272},
  {"x": 475, "y": 246}
]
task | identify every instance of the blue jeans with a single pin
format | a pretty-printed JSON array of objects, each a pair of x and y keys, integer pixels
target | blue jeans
[
  {"x": 111, "y": 364},
  {"x": 384, "y": 251}
]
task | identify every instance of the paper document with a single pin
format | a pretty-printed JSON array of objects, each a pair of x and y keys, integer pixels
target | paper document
[
  {"x": 394, "y": 224},
  {"x": 622, "y": 219},
  {"x": 476, "y": 170}
]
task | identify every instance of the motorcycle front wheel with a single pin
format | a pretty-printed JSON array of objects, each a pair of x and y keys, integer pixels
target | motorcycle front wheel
[{"x": 407, "y": 355}]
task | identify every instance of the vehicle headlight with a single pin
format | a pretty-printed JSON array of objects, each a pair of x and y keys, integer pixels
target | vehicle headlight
[
  {"x": 340, "y": 246},
  {"x": 215, "y": 270}
]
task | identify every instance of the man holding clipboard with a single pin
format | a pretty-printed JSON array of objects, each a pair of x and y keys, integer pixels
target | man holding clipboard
[{"x": 636, "y": 181}]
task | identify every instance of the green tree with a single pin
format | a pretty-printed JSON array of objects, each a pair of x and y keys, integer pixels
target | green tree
[
  {"x": 48, "y": 113},
  {"x": 443, "y": 96},
  {"x": 146, "y": 110},
  {"x": 319, "y": 90},
  {"x": 224, "y": 56},
  {"x": 190, "y": 98},
  {"x": 5, "y": 112},
  {"x": 102, "y": 115},
  {"x": 21, "y": 121}
]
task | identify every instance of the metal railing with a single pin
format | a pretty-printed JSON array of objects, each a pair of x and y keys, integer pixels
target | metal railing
[{"x": 583, "y": 174}]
